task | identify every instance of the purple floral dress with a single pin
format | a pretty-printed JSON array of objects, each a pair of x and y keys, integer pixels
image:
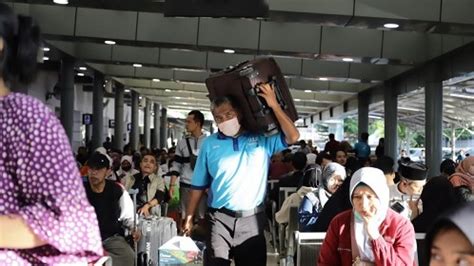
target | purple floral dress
[{"x": 39, "y": 181}]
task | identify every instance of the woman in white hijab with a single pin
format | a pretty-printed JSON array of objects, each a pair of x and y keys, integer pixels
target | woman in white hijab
[{"x": 370, "y": 233}]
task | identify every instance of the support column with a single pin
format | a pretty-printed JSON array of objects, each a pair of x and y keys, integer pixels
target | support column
[
  {"x": 390, "y": 122},
  {"x": 164, "y": 128},
  {"x": 363, "y": 113},
  {"x": 67, "y": 95},
  {"x": 134, "y": 132},
  {"x": 433, "y": 126},
  {"x": 146, "y": 132},
  {"x": 119, "y": 125},
  {"x": 156, "y": 121},
  {"x": 98, "y": 111}
]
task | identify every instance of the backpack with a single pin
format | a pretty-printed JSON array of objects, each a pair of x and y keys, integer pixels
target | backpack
[
  {"x": 308, "y": 211},
  {"x": 192, "y": 157}
]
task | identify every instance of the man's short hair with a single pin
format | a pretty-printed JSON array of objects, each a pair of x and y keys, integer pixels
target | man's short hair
[
  {"x": 221, "y": 100},
  {"x": 448, "y": 167},
  {"x": 198, "y": 116},
  {"x": 299, "y": 160},
  {"x": 385, "y": 163},
  {"x": 331, "y": 136},
  {"x": 323, "y": 155},
  {"x": 364, "y": 136},
  {"x": 98, "y": 161}
]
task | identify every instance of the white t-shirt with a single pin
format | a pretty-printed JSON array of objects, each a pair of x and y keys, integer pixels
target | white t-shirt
[{"x": 397, "y": 196}]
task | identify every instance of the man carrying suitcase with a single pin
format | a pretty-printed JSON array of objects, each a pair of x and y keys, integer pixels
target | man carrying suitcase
[{"x": 233, "y": 165}]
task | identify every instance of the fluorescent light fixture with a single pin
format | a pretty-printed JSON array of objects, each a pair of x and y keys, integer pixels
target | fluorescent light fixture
[
  {"x": 323, "y": 79},
  {"x": 156, "y": 80},
  {"x": 46, "y": 49},
  {"x": 82, "y": 68},
  {"x": 167, "y": 90},
  {"x": 177, "y": 97},
  {"x": 137, "y": 65},
  {"x": 375, "y": 117},
  {"x": 80, "y": 74},
  {"x": 61, "y": 2},
  {"x": 140, "y": 97},
  {"x": 308, "y": 91},
  {"x": 45, "y": 58},
  {"x": 229, "y": 51},
  {"x": 462, "y": 96},
  {"x": 185, "y": 103},
  {"x": 127, "y": 91},
  {"x": 409, "y": 109},
  {"x": 297, "y": 100},
  {"x": 347, "y": 59},
  {"x": 110, "y": 42},
  {"x": 391, "y": 25}
]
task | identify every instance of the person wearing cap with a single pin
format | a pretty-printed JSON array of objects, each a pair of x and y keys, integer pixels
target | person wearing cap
[
  {"x": 404, "y": 195},
  {"x": 114, "y": 209},
  {"x": 370, "y": 233},
  {"x": 451, "y": 239},
  {"x": 127, "y": 171}
]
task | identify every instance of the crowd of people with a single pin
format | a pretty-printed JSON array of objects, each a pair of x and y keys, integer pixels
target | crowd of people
[
  {"x": 53, "y": 212},
  {"x": 364, "y": 204}
]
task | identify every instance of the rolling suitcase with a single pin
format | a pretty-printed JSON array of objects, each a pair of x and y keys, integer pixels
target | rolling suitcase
[
  {"x": 155, "y": 231},
  {"x": 239, "y": 82}
]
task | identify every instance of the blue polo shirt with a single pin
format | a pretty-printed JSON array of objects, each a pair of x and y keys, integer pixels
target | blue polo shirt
[{"x": 235, "y": 169}]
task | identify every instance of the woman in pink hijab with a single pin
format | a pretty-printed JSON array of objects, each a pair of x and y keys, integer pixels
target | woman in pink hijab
[{"x": 464, "y": 176}]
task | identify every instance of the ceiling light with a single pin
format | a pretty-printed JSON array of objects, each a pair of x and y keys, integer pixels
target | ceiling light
[
  {"x": 391, "y": 25},
  {"x": 156, "y": 80},
  {"x": 297, "y": 100},
  {"x": 80, "y": 74},
  {"x": 323, "y": 79},
  {"x": 167, "y": 90},
  {"x": 83, "y": 68},
  {"x": 137, "y": 65},
  {"x": 177, "y": 97},
  {"x": 462, "y": 96},
  {"x": 140, "y": 97},
  {"x": 45, "y": 58},
  {"x": 185, "y": 103},
  {"x": 46, "y": 49},
  {"x": 308, "y": 91},
  {"x": 109, "y": 42},
  {"x": 127, "y": 91},
  {"x": 347, "y": 59},
  {"x": 229, "y": 51},
  {"x": 61, "y": 2}
]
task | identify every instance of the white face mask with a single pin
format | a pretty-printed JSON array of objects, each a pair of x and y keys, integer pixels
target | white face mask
[{"x": 230, "y": 127}]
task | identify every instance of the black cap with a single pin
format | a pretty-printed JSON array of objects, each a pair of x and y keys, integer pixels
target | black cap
[
  {"x": 98, "y": 161},
  {"x": 413, "y": 171}
]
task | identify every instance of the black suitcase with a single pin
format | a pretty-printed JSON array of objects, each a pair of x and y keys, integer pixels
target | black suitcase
[{"x": 239, "y": 82}]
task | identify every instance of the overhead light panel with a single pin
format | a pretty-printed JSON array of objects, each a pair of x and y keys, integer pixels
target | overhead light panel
[
  {"x": 46, "y": 49},
  {"x": 347, "y": 59},
  {"x": 297, "y": 100},
  {"x": 127, "y": 91},
  {"x": 45, "y": 58},
  {"x": 308, "y": 91},
  {"x": 462, "y": 96},
  {"x": 156, "y": 80},
  {"x": 323, "y": 79},
  {"x": 110, "y": 42},
  {"x": 137, "y": 65},
  {"x": 61, "y": 2},
  {"x": 80, "y": 74},
  {"x": 83, "y": 68},
  {"x": 391, "y": 25},
  {"x": 167, "y": 90},
  {"x": 229, "y": 51}
]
